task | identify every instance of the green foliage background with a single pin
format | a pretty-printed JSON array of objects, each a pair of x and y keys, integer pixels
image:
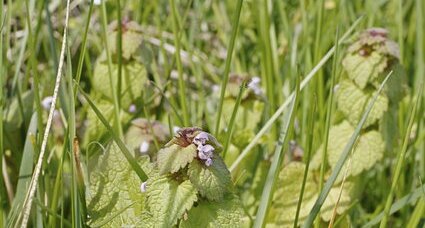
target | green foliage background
[{"x": 164, "y": 67}]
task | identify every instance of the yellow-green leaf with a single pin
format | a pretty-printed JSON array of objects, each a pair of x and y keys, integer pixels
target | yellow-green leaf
[{"x": 212, "y": 182}]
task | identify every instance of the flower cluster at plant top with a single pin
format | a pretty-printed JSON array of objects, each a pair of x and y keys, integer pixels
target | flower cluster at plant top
[{"x": 205, "y": 151}]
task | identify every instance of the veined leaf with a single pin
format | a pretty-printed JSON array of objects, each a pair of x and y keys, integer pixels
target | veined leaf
[
  {"x": 287, "y": 194},
  {"x": 364, "y": 69},
  {"x": 212, "y": 182},
  {"x": 175, "y": 157},
  {"x": 285, "y": 198},
  {"x": 133, "y": 80},
  {"x": 368, "y": 151},
  {"x": 207, "y": 214},
  {"x": 131, "y": 40},
  {"x": 352, "y": 102},
  {"x": 167, "y": 201},
  {"x": 95, "y": 128},
  {"x": 114, "y": 190},
  {"x": 332, "y": 199}
]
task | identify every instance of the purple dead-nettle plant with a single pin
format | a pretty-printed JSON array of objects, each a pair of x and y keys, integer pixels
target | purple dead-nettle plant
[
  {"x": 205, "y": 151},
  {"x": 200, "y": 139},
  {"x": 205, "y": 143}
]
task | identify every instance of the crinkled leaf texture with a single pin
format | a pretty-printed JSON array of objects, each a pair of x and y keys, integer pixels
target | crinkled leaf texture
[
  {"x": 212, "y": 182},
  {"x": 396, "y": 86},
  {"x": 369, "y": 148},
  {"x": 175, "y": 157},
  {"x": 143, "y": 131},
  {"x": 248, "y": 116},
  {"x": 132, "y": 38},
  {"x": 166, "y": 201},
  {"x": 225, "y": 213},
  {"x": 95, "y": 128},
  {"x": 364, "y": 69},
  {"x": 352, "y": 101},
  {"x": 285, "y": 199},
  {"x": 114, "y": 190},
  {"x": 134, "y": 77}
]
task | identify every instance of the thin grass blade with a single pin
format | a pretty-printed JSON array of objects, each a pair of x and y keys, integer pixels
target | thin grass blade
[
  {"x": 126, "y": 152},
  {"x": 283, "y": 107},
  {"x": 344, "y": 155},
  {"x": 400, "y": 158},
  {"x": 398, "y": 205},
  {"x": 273, "y": 173},
  {"x": 228, "y": 61}
]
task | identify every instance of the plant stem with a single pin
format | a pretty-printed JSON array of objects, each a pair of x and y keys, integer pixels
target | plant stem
[
  {"x": 182, "y": 86},
  {"x": 225, "y": 80},
  {"x": 400, "y": 158}
]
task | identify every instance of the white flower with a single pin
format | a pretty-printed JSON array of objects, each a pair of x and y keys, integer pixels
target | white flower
[
  {"x": 176, "y": 129},
  {"x": 254, "y": 85},
  {"x": 336, "y": 87},
  {"x": 144, "y": 147},
  {"x": 47, "y": 102},
  {"x": 97, "y": 2},
  {"x": 215, "y": 88},
  {"x": 143, "y": 186},
  {"x": 200, "y": 139},
  {"x": 208, "y": 162}
]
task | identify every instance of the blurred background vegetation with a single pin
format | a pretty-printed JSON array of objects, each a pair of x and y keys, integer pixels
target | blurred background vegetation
[{"x": 277, "y": 41}]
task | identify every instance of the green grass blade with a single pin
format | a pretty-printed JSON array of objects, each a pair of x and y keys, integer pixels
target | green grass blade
[
  {"x": 119, "y": 51},
  {"x": 182, "y": 87},
  {"x": 307, "y": 166},
  {"x": 3, "y": 194},
  {"x": 233, "y": 118},
  {"x": 273, "y": 173},
  {"x": 117, "y": 122},
  {"x": 25, "y": 171},
  {"x": 228, "y": 61},
  {"x": 344, "y": 155},
  {"x": 398, "y": 205},
  {"x": 83, "y": 49},
  {"x": 401, "y": 157},
  {"x": 278, "y": 112},
  {"x": 108, "y": 219},
  {"x": 416, "y": 215},
  {"x": 126, "y": 152},
  {"x": 329, "y": 115},
  {"x": 25, "y": 213},
  {"x": 53, "y": 213}
]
